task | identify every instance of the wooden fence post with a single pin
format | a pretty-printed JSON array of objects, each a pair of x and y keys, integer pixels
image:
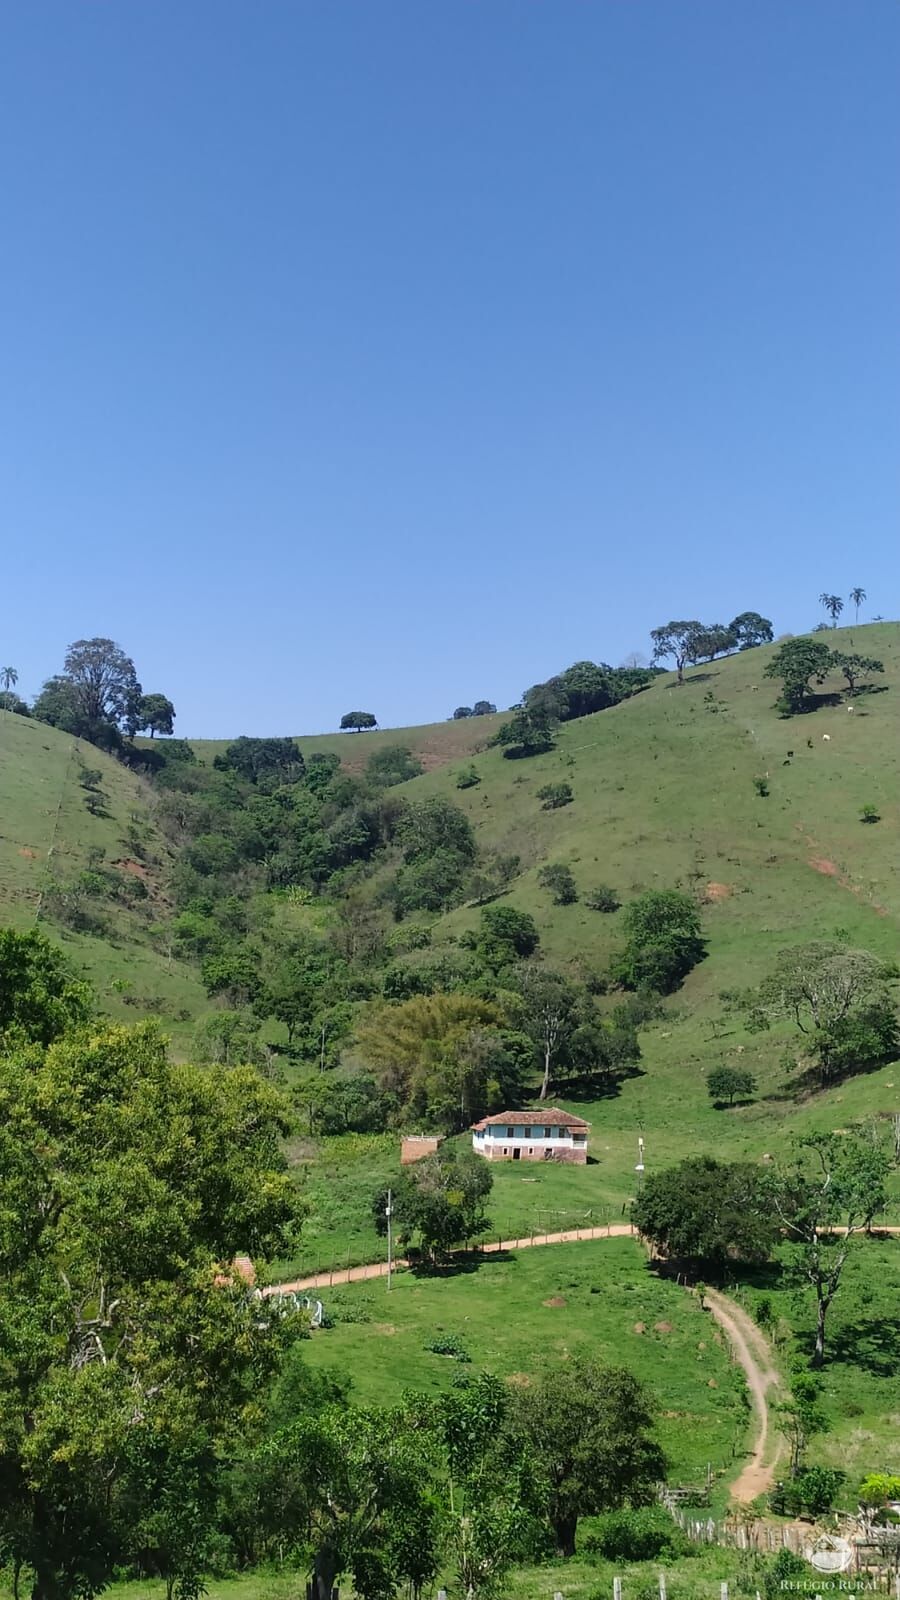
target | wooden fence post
[{"x": 617, "y": 1589}]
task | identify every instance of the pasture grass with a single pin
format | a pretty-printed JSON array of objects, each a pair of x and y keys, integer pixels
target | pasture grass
[{"x": 521, "y": 1314}]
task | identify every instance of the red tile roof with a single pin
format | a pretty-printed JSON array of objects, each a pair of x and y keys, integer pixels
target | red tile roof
[{"x": 531, "y": 1119}]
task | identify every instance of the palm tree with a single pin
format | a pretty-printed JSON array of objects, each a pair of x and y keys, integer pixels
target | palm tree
[
  {"x": 9, "y": 678},
  {"x": 857, "y": 596},
  {"x": 833, "y": 604}
]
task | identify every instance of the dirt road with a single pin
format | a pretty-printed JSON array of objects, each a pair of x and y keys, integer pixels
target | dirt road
[
  {"x": 752, "y": 1351},
  {"x": 378, "y": 1269}
]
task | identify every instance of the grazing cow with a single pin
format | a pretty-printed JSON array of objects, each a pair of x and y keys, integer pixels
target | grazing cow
[{"x": 827, "y": 736}]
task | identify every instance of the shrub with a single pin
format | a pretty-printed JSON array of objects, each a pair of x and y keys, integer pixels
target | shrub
[
  {"x": 603, "y": 898},
  {"x": 468, "y": 778},
  {"x": 448, "y": 1344},
  {"x": 761, "y": 785},
  {"x": 561, "y": 883},
  {"x": 644, "y": 1534},
  {"x": 813, "y": 1491},
  {"x": 555, "y": 795},
  {"x": 783, "y": 1569},
  {"x": 870, "y": 813}
]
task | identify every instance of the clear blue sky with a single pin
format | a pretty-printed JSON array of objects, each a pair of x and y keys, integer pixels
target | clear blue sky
[{"x": 393, "y": 353}]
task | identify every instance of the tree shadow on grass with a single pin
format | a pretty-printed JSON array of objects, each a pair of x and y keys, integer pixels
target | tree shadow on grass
[
  {"x": 870, "y": 1343},
  {"x": 461, "y": 1265}
]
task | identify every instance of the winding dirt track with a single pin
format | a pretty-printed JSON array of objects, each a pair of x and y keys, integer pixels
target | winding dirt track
[
  {"x": 754, "y": 1355},
  {"x": 378, "y": 1269}
]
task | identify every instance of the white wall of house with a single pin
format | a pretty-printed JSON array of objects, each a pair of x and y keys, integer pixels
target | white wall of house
[{"x": 500, "y": 1139}]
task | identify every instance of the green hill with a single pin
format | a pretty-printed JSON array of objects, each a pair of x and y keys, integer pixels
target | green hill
[
  {"x": 80, "y": 852},
  {"x": 435, "y": 743}
]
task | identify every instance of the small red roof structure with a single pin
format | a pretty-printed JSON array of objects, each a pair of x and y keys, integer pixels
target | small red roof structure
[{"x": 548, "y": 1118}]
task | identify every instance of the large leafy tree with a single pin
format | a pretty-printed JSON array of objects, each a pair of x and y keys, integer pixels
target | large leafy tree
[
  {"x": 530, "y": 730},
  {"x": 795, "y": 663},
  {"x": 712, "y": 639},
  {"x": 818, "y": 985},
  {"x": 439, "y": 1200},
  {"x": 350, "y": 1491},
  {"x": 550, "y": 1014},
  {"x": 664, "y": 941},
  {"x": 156, "y": 713},
  {"x": 825, "y": 1203},
  {"x": 104, "y": 683},
  {"x": 590, "y": 1430},
  {"x": 492, "y": 1493},
  {"x": 40, "y": 997},
  {"x": 422, "y": 1052},
  {"x": 855, "y": 667},
  {"x": 276, "y": 760},
  {"x": 358, "y": 721},
  {"x": 750, "y": 629},
  {"x": 127, "y": 1185},
  {"x": 841, "y": 998},
  {"x": 680, "y": 642},
  {"x": 708, "y": 1212}
]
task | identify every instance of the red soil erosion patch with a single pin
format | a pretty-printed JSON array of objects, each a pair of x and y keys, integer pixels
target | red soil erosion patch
[
  {"x": 30, "y": 855},
  {"x": 136, "y": 868},
  {"x": 717, "y": 891},
  {"x": 823, "y": 865},
  {"x": 555, "y": 1300}
]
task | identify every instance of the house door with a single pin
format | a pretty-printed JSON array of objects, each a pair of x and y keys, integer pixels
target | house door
[{"x": 517, "y": 1155}]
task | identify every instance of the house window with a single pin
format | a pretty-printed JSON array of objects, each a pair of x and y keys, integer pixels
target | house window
[{"x": 510, "y": 1133}]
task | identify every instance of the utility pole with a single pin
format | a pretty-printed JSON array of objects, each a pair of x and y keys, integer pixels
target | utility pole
[{"x": 389, "y": 1212}]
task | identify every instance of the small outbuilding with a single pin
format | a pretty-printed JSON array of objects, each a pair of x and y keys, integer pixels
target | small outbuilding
[
  {"x": 545, "y": 1135},
  {"x": 414, "y": 1146}
]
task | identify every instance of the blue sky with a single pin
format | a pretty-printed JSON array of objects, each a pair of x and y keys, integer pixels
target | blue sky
[{"x": 396, "y": 353}]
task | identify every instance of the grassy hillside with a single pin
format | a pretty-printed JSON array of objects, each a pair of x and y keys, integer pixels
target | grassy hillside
[
  {"x": 664, "y": 796},
  {"x": 435, "y": 743},
  {"x": 67, "y": 810}
]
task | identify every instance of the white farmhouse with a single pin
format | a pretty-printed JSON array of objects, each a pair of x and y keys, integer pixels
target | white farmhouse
[{"x": 545, "y": 1135}]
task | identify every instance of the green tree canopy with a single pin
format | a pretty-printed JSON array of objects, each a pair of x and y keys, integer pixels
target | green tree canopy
[
  {"x": 156, "y": 713},
  {"x": 590, "y": 1430},
  {"x": 439, "y": 1200},
  {"x": 855, "y": 667},
  {"x": 358, "y": 720},
  {"x": 729, "y": 1083},
  {"x": 795, "y": 663},
  {"x": 825, "y": 1202},
  {"x": 707, "y": 1211},
  {"x": 679, "y": 642},
  {"x": 664, "y": 941},
  {"x": 40, "y": 997},
  {"x": 750, "y": 629},
  {"x": 127, "y": 1186}
]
